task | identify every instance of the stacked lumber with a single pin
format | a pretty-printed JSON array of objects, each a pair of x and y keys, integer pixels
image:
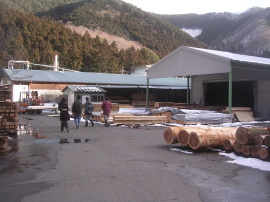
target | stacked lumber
[
  {"x": 252, "y": 142},
  {"x": 163, "y": 104},
  {"x": 9, "y": 121},
  {"x": 118, "y": 99},
  {"x": 187, "y": 106},
  {"x": 5, "y": 92},
  {"x": 110, "y": 119},
  {"x": 139, "y": 119},
  {"x": 168, "y": 114},
  {"x": 130, "y": 118},
  {"x": 138, "y": 99}
]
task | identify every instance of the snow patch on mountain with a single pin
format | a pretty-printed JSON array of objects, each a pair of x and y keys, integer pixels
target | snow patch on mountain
[{"x": 192, "y": 32}]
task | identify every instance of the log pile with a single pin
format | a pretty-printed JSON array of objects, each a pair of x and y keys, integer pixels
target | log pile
[
  {"x": 253, "y": 142},
  {"x": 199, "y": 138}
]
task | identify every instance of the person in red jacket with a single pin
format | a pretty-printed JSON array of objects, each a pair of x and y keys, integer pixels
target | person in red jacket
[{"x": 106, "y": 107}]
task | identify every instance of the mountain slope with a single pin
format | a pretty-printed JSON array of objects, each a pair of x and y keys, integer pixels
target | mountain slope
[
  {"x": 26, "y": 37},
  {"x": 246, "y": 33},
  {"x": 118, "y": 18}
]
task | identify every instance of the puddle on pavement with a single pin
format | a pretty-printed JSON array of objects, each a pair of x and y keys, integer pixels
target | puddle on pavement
[
  {"x": 10, "y": 144},
  {"x": 63, "y": 141}
]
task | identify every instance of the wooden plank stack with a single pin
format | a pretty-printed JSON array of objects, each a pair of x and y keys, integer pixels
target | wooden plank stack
[
  {"x": 130, "y": 118},
  {"x": 139, "y": 119},
  {"x": 9, "y": 121},
  {"x": 253, "y": 142},
  {"x": 139, "y": 99},
  {"x": 5, "y": 92}
]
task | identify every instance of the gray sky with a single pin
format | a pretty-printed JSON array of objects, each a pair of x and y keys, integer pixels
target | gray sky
[{"x": 197, "y": 6}]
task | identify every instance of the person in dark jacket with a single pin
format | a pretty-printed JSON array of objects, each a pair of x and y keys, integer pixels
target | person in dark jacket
[
  {"x": 106, "y": 107},
  {"x": 64, "y": 115},
  {"x": 77, "y": 111},
  {"x": 88, "y": 109}
]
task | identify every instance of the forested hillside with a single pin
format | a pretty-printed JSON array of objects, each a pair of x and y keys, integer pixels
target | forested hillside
[
  {"x": 26, "y": 37},
  {"x": 114, "y": 17}
]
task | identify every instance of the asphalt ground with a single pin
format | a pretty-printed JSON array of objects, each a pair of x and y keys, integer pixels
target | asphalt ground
[{"x": 118, "y": 163}]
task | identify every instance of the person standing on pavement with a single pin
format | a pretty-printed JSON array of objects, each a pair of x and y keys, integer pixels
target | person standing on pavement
[
  {"x": 88, "y": 109},
  {"x": 64, "y": 115},
  {"x": 106, "y": 107},
  {"x": 77, "y": 111}
]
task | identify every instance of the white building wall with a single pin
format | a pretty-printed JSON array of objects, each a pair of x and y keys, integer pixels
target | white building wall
[
  {"x": 264, "y": 99},
  {"x": 16, "y": 91}
]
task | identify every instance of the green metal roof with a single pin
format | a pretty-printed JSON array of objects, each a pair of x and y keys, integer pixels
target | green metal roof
[{"x": 89, "y": 78}]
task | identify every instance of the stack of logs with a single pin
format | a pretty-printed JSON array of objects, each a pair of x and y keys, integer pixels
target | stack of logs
[
  {"x": 250, "y": 142},
  {"x": 247, "y": 141}
]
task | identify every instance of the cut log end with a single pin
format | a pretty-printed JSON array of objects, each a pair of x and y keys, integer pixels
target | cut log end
[
  {"x": 266, "y": 140},
  {"x": 170, "y": 134},
  {"x": 254, "y": 151},
  {"x": 194, "y": 141},
  {"x": 228, "y": 145},
  {"x": 263, "y": 152},
  {"x": 241, "y": 135},
  {"x": 238, "y": 147},
  {"x": 183, "y": 137},
  {"x": 246, "y": 150},
  {"x": 247, "y": 135}
]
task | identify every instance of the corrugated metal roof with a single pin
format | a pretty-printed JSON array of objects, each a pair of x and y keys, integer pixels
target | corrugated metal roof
[
  {"x": 236, "y": 57},
  {"x": 188, "y": 61},
  {"x": 89, "y": 78},
  {"x": 86, "y": 89}
]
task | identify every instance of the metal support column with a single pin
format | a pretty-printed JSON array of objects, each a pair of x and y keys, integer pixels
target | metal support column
[
  {"x": 230, "y": 91},
  {"x": 188, "y": 101},
  {"x": 147, "y": 92}
]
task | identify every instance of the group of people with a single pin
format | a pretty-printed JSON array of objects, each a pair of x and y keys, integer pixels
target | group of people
[{"x": 77, "y": 111}]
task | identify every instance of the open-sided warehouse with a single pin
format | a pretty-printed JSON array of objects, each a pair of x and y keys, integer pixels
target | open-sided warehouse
[{"x": 220, "y": 78}]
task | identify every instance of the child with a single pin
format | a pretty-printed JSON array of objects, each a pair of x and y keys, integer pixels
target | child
[{"x": 64, "y": 115}]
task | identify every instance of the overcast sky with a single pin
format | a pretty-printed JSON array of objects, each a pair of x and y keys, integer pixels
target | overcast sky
[{"x": 197, "y": 6}]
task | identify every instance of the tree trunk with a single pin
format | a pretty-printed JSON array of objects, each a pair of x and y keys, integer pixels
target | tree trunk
[
  {"x": 264, "y": 152},
  {"x": 211, "y": 137},
  {"x": 246, "y": 135},
  {"x": 170, "y": 134}
]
